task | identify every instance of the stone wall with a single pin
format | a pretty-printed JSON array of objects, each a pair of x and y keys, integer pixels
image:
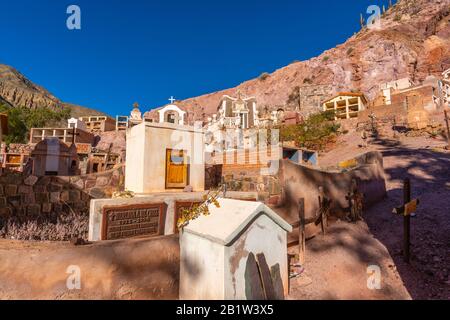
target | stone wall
[{"x": 43, "y": 200}]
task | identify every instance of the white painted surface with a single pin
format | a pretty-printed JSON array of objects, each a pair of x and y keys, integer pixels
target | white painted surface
[
  {"x": 76, "y": 123},
  {"x": 202, "y": 274},
  {"x": 172, "y": 108},
  {"x": 261, "y": 237},
  {"x": 215, "y": 249},
  {"x": 146, "y": 155},
  {"x": 225, "y": 223}
]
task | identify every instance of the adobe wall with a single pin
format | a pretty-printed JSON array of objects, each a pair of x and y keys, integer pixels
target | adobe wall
[
  {"x": 302, "y": 182},
  {"x": 128, "y": 269},
  {"x": 385, "y": 112}
]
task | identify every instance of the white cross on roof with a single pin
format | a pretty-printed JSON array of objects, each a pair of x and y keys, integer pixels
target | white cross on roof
[{"x": 172, "y": 99}]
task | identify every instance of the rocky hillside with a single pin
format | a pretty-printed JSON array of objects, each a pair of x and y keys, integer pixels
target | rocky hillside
[
  {"x": 413, "y": 41},
  {"x": 16, "y": 90}
]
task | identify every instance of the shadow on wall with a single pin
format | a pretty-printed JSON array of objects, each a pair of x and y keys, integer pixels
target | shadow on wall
[
  {"x": 298, "y": 182},
  {"x": 107, "y": 270}
]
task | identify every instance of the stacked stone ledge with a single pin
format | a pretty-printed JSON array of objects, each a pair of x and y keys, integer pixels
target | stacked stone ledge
[{"x": 32, "y": 196}]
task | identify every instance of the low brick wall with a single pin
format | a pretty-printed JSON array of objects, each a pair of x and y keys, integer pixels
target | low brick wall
[{"x": 40, "y": 200}]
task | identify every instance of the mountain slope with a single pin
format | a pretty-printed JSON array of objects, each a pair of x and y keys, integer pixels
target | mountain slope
[
  {"x": 413, "y": 41},
  {"x": 17, "y": 91}
]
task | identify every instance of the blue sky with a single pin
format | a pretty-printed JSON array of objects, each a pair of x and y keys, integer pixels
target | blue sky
[{"x": 146, "y": 51}]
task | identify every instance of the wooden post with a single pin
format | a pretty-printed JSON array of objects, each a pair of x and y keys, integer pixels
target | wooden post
[
  {"x": 406, "y": 221},
  {"x": 301, "y": 232},
  {"x": 73, "y": 133},
  {"x": 105, "y": 166},
  {"x": 448, "y": 129},
  {"x": 323, "y": 209},
  {"x": 409, "y": 207}
]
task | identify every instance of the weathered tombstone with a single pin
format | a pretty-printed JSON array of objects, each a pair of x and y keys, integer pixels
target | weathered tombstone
[
  {"x": 266, "y": 277},
  {"x": 253, "y": 289},
  {"x": 356, "y": 202},
  {"x": 128, "y": 221},
  {"x": 409, "y": 207},
  {"x": 218, "y": 253},
  {"x": 277, "y": 282}
]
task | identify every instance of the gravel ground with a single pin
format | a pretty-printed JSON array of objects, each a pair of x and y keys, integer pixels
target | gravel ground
[{"x": 336, "y": 266}]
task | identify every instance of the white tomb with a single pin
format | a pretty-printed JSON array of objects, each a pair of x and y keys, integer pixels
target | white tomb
[
  {"x": 76, "y": 124},
  {"x": 215, "y": 250},
  {"x": 172, "y": 114},
  {"x": 164, "y": 157}
]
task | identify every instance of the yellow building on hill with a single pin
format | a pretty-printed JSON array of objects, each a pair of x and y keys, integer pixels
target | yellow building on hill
[{"x": 346, "y": 104}]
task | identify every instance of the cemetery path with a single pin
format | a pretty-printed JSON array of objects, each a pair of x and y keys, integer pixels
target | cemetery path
[
  {"x": 336, "y": 266},
  {"x": 427, "y": 276}
]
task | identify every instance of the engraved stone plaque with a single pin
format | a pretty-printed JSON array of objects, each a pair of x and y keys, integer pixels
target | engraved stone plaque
[{"x": 121, "y": 222}]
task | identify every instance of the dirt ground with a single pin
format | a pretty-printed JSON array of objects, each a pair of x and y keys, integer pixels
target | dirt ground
[
  {"x": 121, "y": 269},
  {"x": 336, "y": 263}
]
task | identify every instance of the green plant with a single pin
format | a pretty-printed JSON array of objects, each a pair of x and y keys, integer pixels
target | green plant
[
  {"x": 21, "y": 120},
  {"x": 326, "y": 58},
  {"x": 314, "y": 133},
  {"x": 263, "y": 76},
  {"x": 398, "y": 17}
]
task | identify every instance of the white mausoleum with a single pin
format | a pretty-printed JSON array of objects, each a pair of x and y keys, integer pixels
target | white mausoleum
[
  {"x": 163, "y": 157},
  {"x": 172, "y": 114}
]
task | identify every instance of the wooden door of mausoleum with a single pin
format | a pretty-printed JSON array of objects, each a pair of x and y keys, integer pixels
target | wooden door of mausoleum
[{"x": 176, "y": 169}]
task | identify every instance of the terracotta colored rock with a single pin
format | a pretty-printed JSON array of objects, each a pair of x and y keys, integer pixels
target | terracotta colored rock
[{"x": 31, "y": 180}]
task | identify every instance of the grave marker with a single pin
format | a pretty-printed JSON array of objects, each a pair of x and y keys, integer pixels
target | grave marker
[
  {"x": 409, "y": 207},
  {"x": 356, "y": 202},
  {"x": 120, "y": 222}
]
